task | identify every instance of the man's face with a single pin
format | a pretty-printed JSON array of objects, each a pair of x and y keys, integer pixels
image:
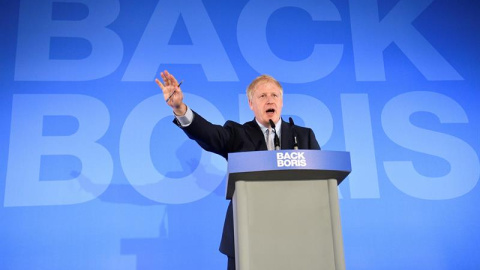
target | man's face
[{"x": 266, "y": 103}]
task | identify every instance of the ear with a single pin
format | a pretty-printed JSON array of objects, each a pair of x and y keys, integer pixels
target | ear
[{"x": 250, "y": 104}]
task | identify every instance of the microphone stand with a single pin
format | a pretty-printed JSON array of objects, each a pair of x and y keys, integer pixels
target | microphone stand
[{"x": 275, "y": 140}]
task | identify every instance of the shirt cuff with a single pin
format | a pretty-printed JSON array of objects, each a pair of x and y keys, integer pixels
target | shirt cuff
[{"x": 185, "y": 120}]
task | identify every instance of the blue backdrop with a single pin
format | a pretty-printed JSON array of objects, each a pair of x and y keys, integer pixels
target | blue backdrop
[{"x": 93, "y": 174}]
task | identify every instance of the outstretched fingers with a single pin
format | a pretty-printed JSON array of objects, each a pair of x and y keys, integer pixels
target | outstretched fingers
[
  {"x": 171, "y": 89},
  {"x": 166, "y": 92},
  {"x": 159, "y": 83},
  {"x": 169, "y": 78}
]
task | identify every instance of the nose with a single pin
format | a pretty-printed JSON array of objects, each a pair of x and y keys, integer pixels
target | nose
[{"x": 269, "y": 99}]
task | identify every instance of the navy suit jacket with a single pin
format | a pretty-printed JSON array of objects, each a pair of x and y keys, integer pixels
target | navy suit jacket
[{"x": 235, "y": 137}]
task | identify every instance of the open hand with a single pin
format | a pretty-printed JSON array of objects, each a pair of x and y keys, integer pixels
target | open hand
[{"x": 172, "y": 93}]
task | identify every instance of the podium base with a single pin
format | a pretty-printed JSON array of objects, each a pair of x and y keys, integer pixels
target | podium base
[{"x": 286, "y": 225}]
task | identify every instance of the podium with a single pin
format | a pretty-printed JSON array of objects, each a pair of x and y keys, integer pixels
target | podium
[{"x": 286, "y": 211}]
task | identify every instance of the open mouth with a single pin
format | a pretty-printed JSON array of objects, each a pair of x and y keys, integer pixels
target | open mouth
[{"x": 270, "y": 112}]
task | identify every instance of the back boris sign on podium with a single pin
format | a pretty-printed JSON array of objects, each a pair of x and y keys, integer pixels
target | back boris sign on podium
[{"x": 286, "y": 210}]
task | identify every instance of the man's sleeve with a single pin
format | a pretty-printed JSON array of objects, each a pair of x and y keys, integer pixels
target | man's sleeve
[
  {"x": 211, "y": 137},
  {"x": 185, "y": 120}
]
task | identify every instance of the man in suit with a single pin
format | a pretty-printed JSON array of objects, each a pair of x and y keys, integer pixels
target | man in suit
[{"x": 265, "y": 98}]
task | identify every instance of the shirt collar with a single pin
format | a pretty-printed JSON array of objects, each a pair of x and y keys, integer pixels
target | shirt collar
[{"x": 278, "y": 127}]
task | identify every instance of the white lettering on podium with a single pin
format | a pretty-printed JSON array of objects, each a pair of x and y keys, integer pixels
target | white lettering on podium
[{"x": 294, "y": 159}]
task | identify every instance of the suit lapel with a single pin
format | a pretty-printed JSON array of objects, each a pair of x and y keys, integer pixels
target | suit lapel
[
  {"x": 255, "y": 134},
  {"x": 286, "y": 137}
]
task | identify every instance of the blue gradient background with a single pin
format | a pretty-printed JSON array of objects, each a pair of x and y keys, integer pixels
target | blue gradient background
[{"x": 93, "y": 174}]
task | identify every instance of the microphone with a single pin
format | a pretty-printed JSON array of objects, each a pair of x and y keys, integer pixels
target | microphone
[
  {"x": 275, "y": 140},
  {"x": 295, "y": 141}
]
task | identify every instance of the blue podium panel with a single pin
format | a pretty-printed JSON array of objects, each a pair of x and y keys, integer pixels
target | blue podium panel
[{"x": 286, "y": 165}]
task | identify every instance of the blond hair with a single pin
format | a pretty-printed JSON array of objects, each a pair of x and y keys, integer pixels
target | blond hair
[{"x": 262, "y": 79}]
